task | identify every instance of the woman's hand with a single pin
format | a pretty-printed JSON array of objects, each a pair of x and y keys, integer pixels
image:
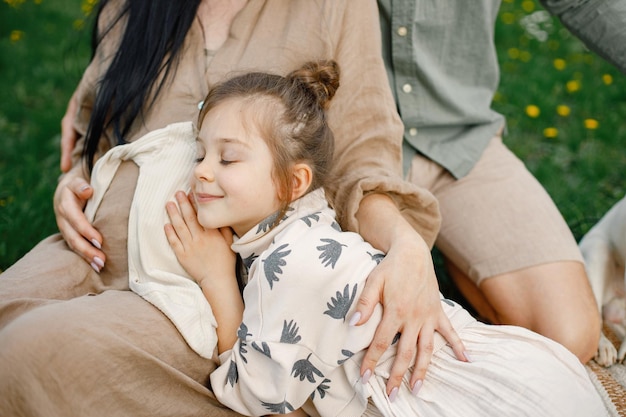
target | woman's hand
[
  {"x": 68, "y": 134},
  {"x": 70, "y": 198},
  {"x": 405, "y": 283},
  {"x": 206, "y": 256}
]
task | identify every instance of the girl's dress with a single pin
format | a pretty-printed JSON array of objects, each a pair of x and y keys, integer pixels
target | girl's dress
[{"x": 296, "y": 349}]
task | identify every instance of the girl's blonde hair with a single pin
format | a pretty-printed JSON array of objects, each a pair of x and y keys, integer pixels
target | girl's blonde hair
[{"x": 292, "y": 119}]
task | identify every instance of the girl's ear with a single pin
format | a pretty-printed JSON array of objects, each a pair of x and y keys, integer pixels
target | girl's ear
[{"x": 302, "y": 178}]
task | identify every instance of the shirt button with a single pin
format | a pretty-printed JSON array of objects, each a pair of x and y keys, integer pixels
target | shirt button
[
  {"x": 407, "y": 88},
  {"x": 402, "y": 31},
  {"x": 413, "y": 131}
]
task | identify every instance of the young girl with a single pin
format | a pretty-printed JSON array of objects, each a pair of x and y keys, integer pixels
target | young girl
[{"x": 265, "y": 152}]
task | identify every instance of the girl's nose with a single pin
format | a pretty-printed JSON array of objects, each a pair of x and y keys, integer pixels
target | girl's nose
[{"x": 204, "y": 172}]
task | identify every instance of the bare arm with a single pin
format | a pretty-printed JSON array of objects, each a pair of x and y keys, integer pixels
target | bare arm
[{"x": 68, "y": 134}]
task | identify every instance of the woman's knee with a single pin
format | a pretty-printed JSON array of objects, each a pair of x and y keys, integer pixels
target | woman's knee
[{"x": 554, "y": 300}]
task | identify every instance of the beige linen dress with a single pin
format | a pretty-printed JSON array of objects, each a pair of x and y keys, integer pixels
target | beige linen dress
[{"x": 75, "y": 342}]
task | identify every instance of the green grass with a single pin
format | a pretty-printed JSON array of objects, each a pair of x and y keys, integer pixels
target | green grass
[
  {"x": 580, "y": 167},
  {"x": 42, "y": 55}
]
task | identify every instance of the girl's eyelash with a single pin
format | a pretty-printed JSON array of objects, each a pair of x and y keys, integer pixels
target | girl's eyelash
[
  {"x": 199, "y": 159},
  {"x": 225, "y": 162}
]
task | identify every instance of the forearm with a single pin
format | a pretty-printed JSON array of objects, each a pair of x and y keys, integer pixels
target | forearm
[
  {"x": 599, "y": 24},
  {"x": 227, "y": 306},
  {"x": 382, "y": 224}
]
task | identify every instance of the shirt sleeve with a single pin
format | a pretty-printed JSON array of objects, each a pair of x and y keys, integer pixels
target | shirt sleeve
[
  {"x": 599, "y": 24},
  {"x": 368, "y": 131}
]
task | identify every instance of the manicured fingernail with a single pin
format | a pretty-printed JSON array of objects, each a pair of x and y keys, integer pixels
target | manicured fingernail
[
  {"x": 84, "y": 187},
  {"x": 98, "y": 262},
  {"x": 355, "y": 319},
  {"x": 393, "y": 394},
  {"x": 95, "y": 267},
  {"x": 416, "y": 387},
  {"x": 467, "y": 356},
  {"x": 96, "y": 243},
  {"x": 366, "y": 376}
]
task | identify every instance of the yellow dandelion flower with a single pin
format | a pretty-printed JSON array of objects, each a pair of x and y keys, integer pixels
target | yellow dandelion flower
[
  {"x": 572, "y": 86},
  {"x": 532, "y": 111},
  {"x": 513, "y": 53},
  {"x": 550, "y": 132},
  {"x": 508, "y": 18},
  {"x": 525, "y": 56},
  {"x": 16, "y": 35},
  {"x": 559, "y": 64},
  {"x": 607, "y": 79},
  {"x": 563, "y": 110},
  {"x": 591, "y": 124},
  {"x": 14, "y": 3},
  {"x": 37, "y": 1},
  {"x": 528, "y": 6},
  {"x": 78, "y": 24},
  {"x": 553, "y": 44}
]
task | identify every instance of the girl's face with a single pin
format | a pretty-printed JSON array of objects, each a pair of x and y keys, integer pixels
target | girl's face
[{"x": 232, "y": 183}]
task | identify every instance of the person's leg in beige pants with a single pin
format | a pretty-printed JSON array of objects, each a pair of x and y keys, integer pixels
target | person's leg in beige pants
[{"x": 509, "y": 250}]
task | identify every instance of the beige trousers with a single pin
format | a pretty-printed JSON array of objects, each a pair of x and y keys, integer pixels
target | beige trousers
[
  {"x": 77, "y": 343},
  {"x": 498, "y": 218}
]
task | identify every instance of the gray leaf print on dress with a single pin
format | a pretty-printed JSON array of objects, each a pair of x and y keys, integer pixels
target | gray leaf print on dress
[
  {"x": 331, "y": 252},
  {"x": 278, "y": 408},
  {"x": 336, "y": 226},
  {"x": 233, "y": 375},
  {"x": 243, "y": 334},
  {"x": 307, "y": 219},
  {"x": 264, "y": 349},
  {"x": 270, "y": 220},
  {"x": 347, "y": 355},
  {"x": 339, "y": 307},
  {"x": 249, "y": 260},
  {"x": 377, "y": 257},
  {"x": 272, "y": 264},
  {"x": 321, "y": 388},
  {"x": 305, "y": 369},
  {"x": 290, "y": 333},
  {"x": 267, "y": 223},
  {"x": 448, "y": 302}
]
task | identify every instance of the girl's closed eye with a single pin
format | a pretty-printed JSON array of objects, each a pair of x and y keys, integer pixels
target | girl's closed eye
[{"x": 227, "y": 158}]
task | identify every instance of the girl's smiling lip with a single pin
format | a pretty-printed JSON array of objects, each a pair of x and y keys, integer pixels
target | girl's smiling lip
[{"x": 206, "y": 198}]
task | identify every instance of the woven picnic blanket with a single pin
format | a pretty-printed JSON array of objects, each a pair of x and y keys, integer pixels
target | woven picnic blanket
[{"x": 610, "y": 382}]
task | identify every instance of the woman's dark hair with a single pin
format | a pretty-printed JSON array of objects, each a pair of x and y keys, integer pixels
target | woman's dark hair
[
  {"x": 149, "y": 51},
  {"x": 290, "y": 112}
]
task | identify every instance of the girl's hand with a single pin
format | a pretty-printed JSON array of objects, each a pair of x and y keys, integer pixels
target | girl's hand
[
  {"x": 204, "y": 253},
  {"x": 70, "y": 198},
  {"x": 206, "y": 256}
]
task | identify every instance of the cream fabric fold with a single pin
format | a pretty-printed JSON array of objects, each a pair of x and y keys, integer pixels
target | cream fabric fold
[{"x": 166, "y": 159}]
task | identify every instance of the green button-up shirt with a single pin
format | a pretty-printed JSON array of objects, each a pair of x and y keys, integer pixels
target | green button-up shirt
[{"x": 443, "y": 70}]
